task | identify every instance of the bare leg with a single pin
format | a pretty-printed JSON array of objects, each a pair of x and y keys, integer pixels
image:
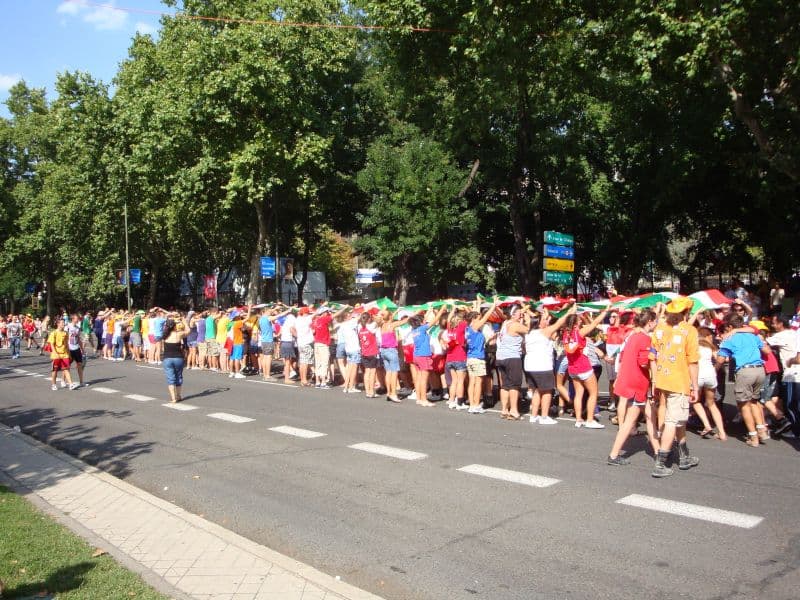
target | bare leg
[{"x": 625, "y": 429}]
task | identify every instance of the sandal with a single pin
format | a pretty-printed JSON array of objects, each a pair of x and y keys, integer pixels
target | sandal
[
  {"x": 511, "y": 417},
  {"x": 707, "y": 434},
  {"x": 504, "y": 415},
  {"x": 615, "y": 420}
]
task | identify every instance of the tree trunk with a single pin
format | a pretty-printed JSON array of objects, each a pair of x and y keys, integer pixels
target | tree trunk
[
  {"x": 518, "y": 193},
  {"x": 50, "y": 283},
  {"x": 536, "y": 258},
  {"x": 307, "y": 242},
  {"x": 402, "y": 280},
  {"x": 261, "y": 249},
  {"x": 153, "y": 292},
  {"x": 521, "y": 259}
]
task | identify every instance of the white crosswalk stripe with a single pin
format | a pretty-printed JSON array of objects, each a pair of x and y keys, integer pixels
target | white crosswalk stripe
[
  {"x": 510, "y": 476},
  {"x": 230, "y": 418},
  {"x": 693, "y": 511},
  {"x": 105, "y": 390},
  {"x": 139, "y": 397},
  {"x": 301, "y": 433},
  {"x": 388, "y": 451},
  {"x": 180, "y": 406}
]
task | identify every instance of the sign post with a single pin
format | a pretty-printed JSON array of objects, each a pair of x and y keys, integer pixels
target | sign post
[{"x": 559, "y": 264}]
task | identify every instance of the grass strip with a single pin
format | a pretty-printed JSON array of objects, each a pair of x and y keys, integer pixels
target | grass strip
[{"x": 40, "y": 558}]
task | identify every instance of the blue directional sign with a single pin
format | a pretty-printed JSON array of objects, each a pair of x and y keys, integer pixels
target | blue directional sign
[
  {"x": 268, "y": 267},
  {"x": 136, "y": 276},
  {"x": 559, "y": 252}
]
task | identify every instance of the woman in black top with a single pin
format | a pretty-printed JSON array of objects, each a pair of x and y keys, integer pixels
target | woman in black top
[{"x": 175, "y": 329}]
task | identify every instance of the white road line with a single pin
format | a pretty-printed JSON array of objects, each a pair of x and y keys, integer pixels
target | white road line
[
  {"x": 693, "y": 511},
  {"x": 149, "y": 367},
  {"x": 302, "y": 433},
  {"x": 20, "y": 371},
  {"x": 512, "y": 476},
  {"x": 388, "y": 451},
  {"x": 230, "y": 418},
  {"x": 105, "y": 390},
  {"x": 179, "y": 406},
  {"x": 139, "y": 398}
]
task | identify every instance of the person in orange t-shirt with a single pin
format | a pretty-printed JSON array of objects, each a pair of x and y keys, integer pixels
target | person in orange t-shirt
[{"x": 676, "y": 356}]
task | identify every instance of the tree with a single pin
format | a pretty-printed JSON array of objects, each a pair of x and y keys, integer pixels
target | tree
[{"x": 416, "y": 225}]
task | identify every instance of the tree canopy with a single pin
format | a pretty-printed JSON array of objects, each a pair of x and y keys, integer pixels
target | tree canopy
[{"x": 661, "y": 135}]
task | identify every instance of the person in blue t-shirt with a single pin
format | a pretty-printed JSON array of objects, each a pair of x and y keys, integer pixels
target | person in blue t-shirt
[
  {"x": 476, "y": 355},
  {"x": 745, "y": 347}
]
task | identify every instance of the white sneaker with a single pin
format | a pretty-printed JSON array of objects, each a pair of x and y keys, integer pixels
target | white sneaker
[
  {"x": 462, "y": 406},
  {"x": 412, "y": 396},
  {"x": 74, "y": 386},
  {"x": 548, "y": 420},
  {"x": 476, "y": 410},
  {"x": 230, "y": 375},
  {"x": 452, "y": 404},
  {"x": 240, "y": 376},
  {"x": 54, "y": 388},
  {"x": 62, "y": 383},
  {"x": 593, "y": 425},
  {"x": 534, "y": 419},
  {"x": 579, "y": 424}
]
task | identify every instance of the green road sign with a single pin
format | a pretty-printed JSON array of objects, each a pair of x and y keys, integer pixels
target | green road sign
[
  {"x": 561, "y": 239},
  {"x": 558, "y": 277}
]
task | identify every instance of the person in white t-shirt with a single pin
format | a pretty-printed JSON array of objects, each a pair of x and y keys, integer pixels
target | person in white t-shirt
[
  {"x": 776, "y": 296},
  {"x": 288, "y": 348},
  {"x": 305, "y": 343}
]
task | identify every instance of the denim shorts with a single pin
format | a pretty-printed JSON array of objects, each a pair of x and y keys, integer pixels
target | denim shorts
[
  {"x": 391, "y": 360},
  {"x": 340, "y": 351},
  {"x": 456, "y": 365},
  {"x": 354, "y": 357},
  {"x": 173, "y": 369}
]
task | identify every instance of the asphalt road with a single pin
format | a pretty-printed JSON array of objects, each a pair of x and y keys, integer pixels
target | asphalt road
[{"x": 422, "y": 528}]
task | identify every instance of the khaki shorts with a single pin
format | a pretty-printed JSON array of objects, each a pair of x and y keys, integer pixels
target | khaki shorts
[
  {"x": 476, "y": 367},
  {"x": 213, "y": 347},
  {"x": 322, "y": 358},
  {"x": 749, "y": 381},
  {"x": 202, "y": 349},
  {"x": 677, "y": 408}
]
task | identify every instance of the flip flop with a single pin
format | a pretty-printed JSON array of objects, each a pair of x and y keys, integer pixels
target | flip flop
[{"x": 707, "y": 434}]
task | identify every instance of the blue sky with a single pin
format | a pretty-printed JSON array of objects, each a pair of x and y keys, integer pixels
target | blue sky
[{"x": 40, "y": 38}]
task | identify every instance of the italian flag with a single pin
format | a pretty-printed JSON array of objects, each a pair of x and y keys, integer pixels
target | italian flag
[
  {"x": 380, "y": 304},
  {"x": 708, "y": 299}
]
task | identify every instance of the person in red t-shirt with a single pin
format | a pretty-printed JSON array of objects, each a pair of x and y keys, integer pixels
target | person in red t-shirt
[
  {"x": 454, "y": 341},
  {"x": 633, "y": 384},
  {"x": 368, "y": 338},
  {"x": 321, "y": 327}
]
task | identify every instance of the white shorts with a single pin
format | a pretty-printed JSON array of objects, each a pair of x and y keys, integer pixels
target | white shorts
[{"x": 707, "y": 382}]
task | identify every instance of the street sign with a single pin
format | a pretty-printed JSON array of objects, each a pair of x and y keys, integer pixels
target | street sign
[
  {"x": 136, "y": 276},
  {"x": 559, "y": 251},
  {"x": 561, "y": 239},
  {"x": 268, "y": 267},
  {"x": 557, "y": 264},
  {"x": 558, "y": 278},
  {"x": 368, "y": 276}
]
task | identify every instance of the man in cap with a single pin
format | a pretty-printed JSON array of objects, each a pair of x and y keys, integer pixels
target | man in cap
[{"x": 677, "y": 355}]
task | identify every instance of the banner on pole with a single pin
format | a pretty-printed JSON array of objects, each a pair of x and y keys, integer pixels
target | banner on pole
[
  {"x": 268, "y": 267},
  {"x": 136, "y": 276},
  {"x": 119, "y": 275},
  {"x": 209, "y": 287}
]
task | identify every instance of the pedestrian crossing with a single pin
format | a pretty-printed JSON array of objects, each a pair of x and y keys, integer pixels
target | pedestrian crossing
[{"x": 530, "y": 480}]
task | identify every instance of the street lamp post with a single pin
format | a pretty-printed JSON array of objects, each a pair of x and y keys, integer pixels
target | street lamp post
[{"x": 127, "y": 263}]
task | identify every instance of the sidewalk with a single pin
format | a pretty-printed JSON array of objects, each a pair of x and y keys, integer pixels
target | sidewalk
[{"x": 179, "y": 553}]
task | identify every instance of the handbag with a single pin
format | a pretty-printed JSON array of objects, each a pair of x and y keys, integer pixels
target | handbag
[{"x": 47, "y": 347}]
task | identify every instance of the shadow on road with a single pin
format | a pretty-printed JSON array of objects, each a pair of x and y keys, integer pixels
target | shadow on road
[
  {"x": 71, "y": 435},
  {"x": 208, "y": 392}
]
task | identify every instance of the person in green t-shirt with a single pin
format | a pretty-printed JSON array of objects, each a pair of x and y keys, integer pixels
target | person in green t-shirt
[
  {"x": 136, "y": 336},
  {"x": 87, "y": 334}
]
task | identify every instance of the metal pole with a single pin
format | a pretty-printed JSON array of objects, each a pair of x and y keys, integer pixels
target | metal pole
[
  {"x": 127, "y": 262},
  {"x": 277, "y": 266}
]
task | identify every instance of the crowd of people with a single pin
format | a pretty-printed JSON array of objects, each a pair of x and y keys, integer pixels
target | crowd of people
[{"x": 666, "y": 365}]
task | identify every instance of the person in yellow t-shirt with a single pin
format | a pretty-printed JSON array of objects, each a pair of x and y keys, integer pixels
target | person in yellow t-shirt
[
  {"x": 677, "y": 354},
  {"x": 59, "y": 354},
  {"x": 222, "y": 335}
]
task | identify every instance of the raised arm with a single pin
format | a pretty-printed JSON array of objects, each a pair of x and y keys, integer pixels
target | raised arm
[{"x": 589, "y": 327}]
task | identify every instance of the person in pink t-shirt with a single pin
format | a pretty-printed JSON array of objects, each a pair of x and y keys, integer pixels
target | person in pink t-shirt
[{"x": 454, "y": 342}]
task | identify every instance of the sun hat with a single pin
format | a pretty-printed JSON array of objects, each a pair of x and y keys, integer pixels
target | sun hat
[{"x": 680, "y": 304}]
